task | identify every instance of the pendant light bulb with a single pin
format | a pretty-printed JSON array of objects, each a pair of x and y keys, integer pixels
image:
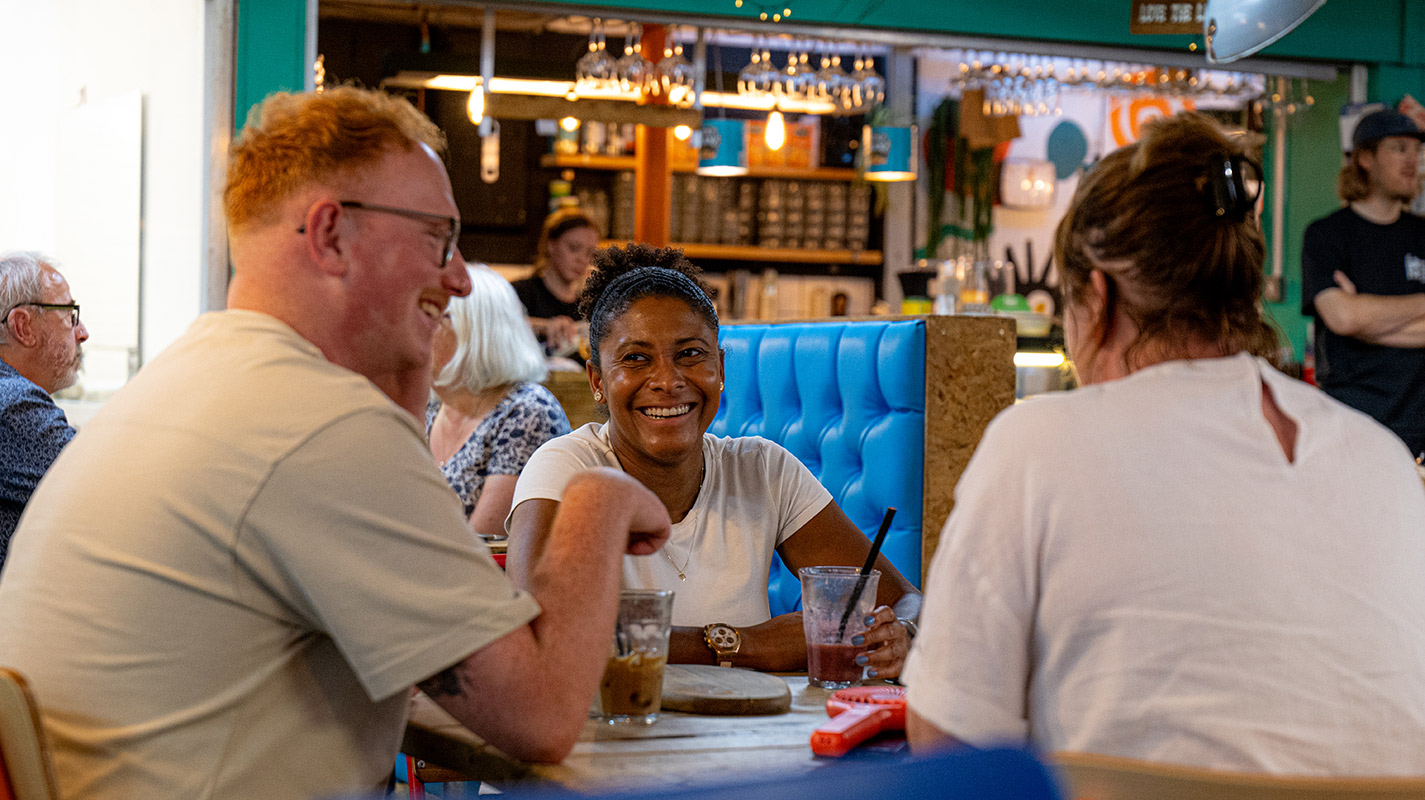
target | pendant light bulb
[
  {"x": 776, "y": 135},
  {"x": 475, "y": 106},
  {"x": 682, "y": 132},
  {"x": 569, "y": 124}
]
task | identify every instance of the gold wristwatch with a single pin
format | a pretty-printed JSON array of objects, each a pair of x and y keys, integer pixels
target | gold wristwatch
[{"x": 723, "y": 640}]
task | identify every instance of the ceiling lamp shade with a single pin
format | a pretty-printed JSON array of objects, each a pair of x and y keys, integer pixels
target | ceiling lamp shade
[
  {"x": 723, "y": 150},
  {"x": 1235, "y": 29},
  {"x": 890, "y": 153}
]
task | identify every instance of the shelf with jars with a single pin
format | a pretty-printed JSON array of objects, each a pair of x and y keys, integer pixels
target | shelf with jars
[
  {"x": 786, "y": 255},
  {"x": 589, "y": 161},
  {"x": 784, "y": 210}
]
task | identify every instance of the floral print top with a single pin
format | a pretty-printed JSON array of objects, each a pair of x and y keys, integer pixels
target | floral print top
[{"x": 527, "y": 417}]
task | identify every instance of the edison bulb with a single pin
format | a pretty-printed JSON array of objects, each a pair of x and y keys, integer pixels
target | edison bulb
[
  {"x": 682, "y": 132},
  {"x": 569, "y": 124},
  {"x": 475, "y": 106},
  {"x": 776, "y": 131}
]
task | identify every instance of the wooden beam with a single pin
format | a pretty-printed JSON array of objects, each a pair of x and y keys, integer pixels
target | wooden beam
[
  {"x": 653, "y": 174},
  {"x": 523, "y": 106}
]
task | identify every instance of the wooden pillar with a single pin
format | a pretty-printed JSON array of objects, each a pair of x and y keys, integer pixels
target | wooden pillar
[{"x": 652, "y": 175}]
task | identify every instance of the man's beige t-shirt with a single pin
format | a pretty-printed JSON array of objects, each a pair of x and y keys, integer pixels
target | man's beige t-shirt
[{"x": 230, "y": 579}]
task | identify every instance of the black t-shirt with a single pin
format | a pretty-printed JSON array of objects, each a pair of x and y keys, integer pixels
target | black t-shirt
[
  {"x": 540, "y": 303},
  {"x": 1386, "y": 382}
]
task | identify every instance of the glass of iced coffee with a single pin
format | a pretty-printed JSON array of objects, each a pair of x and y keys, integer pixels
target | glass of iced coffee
[
  {"x": 632, "y": 688},
  {"x": 834, "y": 611}
]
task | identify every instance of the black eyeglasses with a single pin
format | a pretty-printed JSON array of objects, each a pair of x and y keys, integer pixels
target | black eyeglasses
[
  {"x": 72, "y": 308},
  {"x": 452, "y": 236}
]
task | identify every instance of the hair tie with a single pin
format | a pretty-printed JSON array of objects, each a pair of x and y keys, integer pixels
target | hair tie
[{"x": 1230, "y": 192}]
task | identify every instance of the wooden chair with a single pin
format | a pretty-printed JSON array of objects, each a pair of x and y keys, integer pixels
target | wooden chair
[
  {"x": 1089, "y": 776},
  {"x": 26, "y": 772}
]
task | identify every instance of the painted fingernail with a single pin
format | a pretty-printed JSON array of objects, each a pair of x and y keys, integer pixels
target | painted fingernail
[
  {"x": 871, "y": 673},
  {"x": 861, "y": 660},
  {"x": 870, "y": 620},
  {"x": 858, "y": 640}
]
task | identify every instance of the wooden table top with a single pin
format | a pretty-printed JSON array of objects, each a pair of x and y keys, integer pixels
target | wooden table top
[{"x": 677, "y": 750}]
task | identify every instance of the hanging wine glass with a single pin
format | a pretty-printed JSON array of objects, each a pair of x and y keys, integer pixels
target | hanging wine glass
[
  {"x": 596, "y": 70},
  {"x": 633, "y": 70},
  {"x": 870, "y": 88},
  {"x": 833, "y": 85},
  {"x": 673, "y": 76},
  {"x": 798, "y": 78},
  {"x": 752, "y": 79},
  {"x": 769, "y": 75},
  {"x": 747, "y": 76},
  {"x": 756, "y": 79}
]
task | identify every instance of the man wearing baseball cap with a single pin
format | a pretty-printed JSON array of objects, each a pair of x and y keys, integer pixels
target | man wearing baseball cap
[{"x": 1363, "y": 279}]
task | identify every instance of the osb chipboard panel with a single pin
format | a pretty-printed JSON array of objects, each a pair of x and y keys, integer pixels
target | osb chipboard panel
[
  {"x": 969, "y": 378},
  {"x": 572, "y": 391}
]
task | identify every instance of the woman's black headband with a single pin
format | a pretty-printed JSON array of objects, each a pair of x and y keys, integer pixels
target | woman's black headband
[{"x": 645, "y": 281}]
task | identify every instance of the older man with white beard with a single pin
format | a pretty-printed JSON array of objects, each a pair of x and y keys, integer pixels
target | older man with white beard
[{"x": 40, "y": 338}]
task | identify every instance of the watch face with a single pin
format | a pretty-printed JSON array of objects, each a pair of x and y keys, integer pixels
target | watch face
[{"x": 723, "y": 637}]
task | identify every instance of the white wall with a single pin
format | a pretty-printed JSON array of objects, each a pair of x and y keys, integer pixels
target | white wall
[{"x": 56, "y": 55}]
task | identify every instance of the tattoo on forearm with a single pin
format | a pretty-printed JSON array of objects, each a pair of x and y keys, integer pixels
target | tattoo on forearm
[{"x": 445, "y": 683}]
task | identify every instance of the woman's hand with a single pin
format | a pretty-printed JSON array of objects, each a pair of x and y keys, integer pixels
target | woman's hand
[
  {"x": 561, "y": 335},
  {"x": 888, "y": 643}
]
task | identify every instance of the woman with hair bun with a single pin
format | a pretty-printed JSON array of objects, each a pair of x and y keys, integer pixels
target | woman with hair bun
[
  {"x": 734, "y": 501},
  {"x": 1192, "y": 558},
  {"x": 561, "y": 263},
  {"x": 489, "y": 413}
]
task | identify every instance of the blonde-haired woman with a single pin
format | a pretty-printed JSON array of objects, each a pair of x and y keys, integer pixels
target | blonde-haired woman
[{"x": 489, "y": 414}]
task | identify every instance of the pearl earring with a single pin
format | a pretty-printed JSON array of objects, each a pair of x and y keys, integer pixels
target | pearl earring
[{"x": 598, "y": 396}]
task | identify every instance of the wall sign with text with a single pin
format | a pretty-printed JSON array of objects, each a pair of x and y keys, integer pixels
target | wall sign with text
[{"x": 1154, "y": 16}]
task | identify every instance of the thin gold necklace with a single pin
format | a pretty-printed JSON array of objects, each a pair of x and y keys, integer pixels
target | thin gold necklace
[
  {"x": 692, "y": 512},
  {"x": 682, "y": 576}
]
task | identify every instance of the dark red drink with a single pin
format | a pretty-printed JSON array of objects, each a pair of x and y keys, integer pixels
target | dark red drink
[{"x": 833, "y": 665}]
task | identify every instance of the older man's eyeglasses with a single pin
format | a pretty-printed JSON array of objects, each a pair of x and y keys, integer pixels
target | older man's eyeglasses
[
  {"x": 452, "y": 233},
  {"x": 72, "y": 308}
]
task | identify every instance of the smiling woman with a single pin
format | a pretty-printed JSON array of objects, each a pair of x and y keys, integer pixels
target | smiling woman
[{"x": 735, "y": 502}]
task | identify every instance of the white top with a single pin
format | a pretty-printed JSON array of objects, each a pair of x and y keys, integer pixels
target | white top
[
  {"x": 230, "y": 579},
  {"x": 1135, "y": 569},
  {"x": 755, "y": 494}
]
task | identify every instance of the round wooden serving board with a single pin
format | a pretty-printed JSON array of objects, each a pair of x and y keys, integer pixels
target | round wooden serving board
[{"x": 726, "y": 691}]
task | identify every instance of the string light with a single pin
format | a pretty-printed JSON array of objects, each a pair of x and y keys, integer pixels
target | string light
[{"x": 776, "y": 12}]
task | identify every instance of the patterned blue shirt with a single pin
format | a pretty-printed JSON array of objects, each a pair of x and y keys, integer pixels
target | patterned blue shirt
[
  {"x": 504, "y": 440},
  {"x": 32, "y": 431}
]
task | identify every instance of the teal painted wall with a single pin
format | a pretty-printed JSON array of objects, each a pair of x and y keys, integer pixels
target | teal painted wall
[
  {"x": 271, "y": 51},
  {"x": 1313, "y": 156},
  {"x": 1389, "y": 35},
  {"x": 1342, "y": 30}
]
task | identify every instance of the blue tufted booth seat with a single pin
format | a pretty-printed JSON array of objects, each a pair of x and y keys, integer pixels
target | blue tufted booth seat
[{"x": 848, "y": 400}]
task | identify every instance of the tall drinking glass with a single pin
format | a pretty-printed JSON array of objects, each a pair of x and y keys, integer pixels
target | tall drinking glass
[
  {"x": 830, "y": 619},
  {"x": 631, "y": 691}
]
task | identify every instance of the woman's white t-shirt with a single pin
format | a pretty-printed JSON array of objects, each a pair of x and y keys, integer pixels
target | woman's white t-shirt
[
  {"x": 755, "y": 494},
  {"x": 1135, "y": 568}
]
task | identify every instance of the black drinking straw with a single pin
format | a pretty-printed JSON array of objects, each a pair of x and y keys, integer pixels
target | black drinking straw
[{"x": 866, "y": 570}]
